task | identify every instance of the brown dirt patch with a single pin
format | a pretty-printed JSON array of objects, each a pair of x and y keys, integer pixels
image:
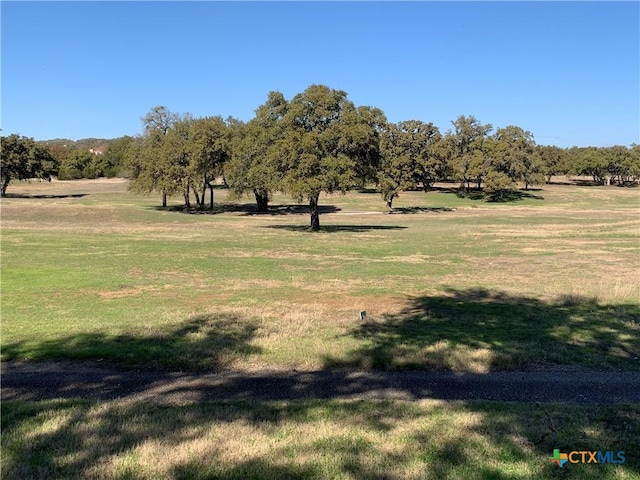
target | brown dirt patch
[{"x": 122, "y": 293}]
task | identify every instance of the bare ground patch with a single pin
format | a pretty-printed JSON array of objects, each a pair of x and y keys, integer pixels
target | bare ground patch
[{"x": 122, "y": 293}]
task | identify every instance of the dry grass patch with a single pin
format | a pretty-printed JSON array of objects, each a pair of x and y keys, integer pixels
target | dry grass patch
[
  {"x": 311, "y": 439},
  {"x": 414, "y": 259},
  {"x": 122, "y": 293}
]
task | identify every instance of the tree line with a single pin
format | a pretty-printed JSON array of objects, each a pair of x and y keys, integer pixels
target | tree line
[
  {"x": 320, "y": 141},
  {"x": 24, "y": 158}
]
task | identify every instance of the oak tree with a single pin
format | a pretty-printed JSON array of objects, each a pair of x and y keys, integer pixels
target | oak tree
[
  {"x": 554, "y": 160},
  {"x": 208, "y": 149},
  {"x": 317, "y": 155},
  {"x": 149, "y": 158},
  {"x": 22, "y": 158},
  {"x": 468, "y": 152},
  {"x": 513, "y": 156},
  {"x": 255, "y": 165}
]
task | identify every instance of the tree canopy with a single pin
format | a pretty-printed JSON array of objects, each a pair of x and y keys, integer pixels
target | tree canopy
[
  {"x": 318, "y": 141},
  {"x": 310, "y": 147},
  {"x": 414, "y": 153},
  {"x": 23, "y": 158},
  {"x": 323, "y": 138},
  {"x": 255, "y": 164}
]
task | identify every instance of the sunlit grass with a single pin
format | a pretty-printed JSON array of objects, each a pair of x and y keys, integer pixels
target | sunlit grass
[
  {"x": 114, "y": 276},
  {"x": 448, "y": 283},
  {"x": 312, "y": 439}
]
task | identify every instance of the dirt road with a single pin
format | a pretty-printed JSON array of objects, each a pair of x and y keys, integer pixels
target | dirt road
[{"x": 93, "y": 380}]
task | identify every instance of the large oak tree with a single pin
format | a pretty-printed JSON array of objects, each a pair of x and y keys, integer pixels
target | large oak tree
[
  {"x": 23, "y": 158},
  {"x": 320, "y": 145}
]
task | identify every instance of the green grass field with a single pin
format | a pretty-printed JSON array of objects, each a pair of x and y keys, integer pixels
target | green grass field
[
  {"x": 90, "y": 271},
  {"x": 474, "y": 286}
]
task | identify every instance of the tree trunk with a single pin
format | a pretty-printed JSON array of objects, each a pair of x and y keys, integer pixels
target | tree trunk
[
  {"x": 204, "y": 190},
  {"x": 3, "y": 188},
  {"x": 313, "y": 210},
  {"x": 390, "y": 202},
  {"x": 211, "y": 197},
  {"x": 195, "y": 192},
  {"x": 262, "y": 201},
  {"x": 187, "y": 200},
  {"x": 164, "y": 200}
]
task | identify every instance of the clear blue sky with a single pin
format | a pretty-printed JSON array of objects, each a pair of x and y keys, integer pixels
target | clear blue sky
[{"x": 569, "y": 72}]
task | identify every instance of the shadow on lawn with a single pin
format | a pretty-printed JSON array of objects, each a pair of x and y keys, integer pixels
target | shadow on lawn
[
  {"x": 327, "y": 438},
  {"x": 336, "y": 228},
  {"x": 248, "y": 209},
  {"x": 368, "y": 190},
  {"x": 504, "y": 196},
  {"x": 404, "y": 210},
  {"x": 202, "y": 343},
  {"x": 310, "y": 440},
  {"x": 478, "y": 329},
  {"x": 512, "y": 196},
  {"x": 23, "y": 195}
]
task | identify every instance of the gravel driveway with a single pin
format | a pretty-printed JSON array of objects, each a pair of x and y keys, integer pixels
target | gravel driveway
[{"x": 93, "y": 380}]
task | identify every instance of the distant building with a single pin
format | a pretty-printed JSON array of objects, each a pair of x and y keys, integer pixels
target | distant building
[{"x": 98, "y": 150}]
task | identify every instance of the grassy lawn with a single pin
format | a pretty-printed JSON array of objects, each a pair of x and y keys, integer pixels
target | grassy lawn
[
  {"x": 90, "y": 271},
  {"x": 313, "y": 439},
  {"x": 448, "y": 283}
]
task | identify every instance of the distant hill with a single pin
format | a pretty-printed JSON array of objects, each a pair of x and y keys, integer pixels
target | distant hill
[{"x": 82, "y": 144}]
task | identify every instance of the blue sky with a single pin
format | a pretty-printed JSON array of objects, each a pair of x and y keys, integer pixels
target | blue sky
[{"x": 569, "y": 72}]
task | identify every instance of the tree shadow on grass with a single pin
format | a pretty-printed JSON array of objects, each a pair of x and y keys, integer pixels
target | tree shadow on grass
[
  {"x": 504, "y": 196},
  {"x": 473, "y": 194},
  {"x": 24, "y": 195},
  {"x": 201, "y": 343},
  {"x": 311, "y": 439},
  {"x": 539, "y": 429},
  {"x": 583, "y": 182},
  {"x": 336, "y": 228},
  {"x": 481, "y": 330},
  {"x": 368, "y": 190},
  {"x": 248, "y": 209},
  {"x": 452, "y": 189},
  {"x": 336, "y": 439},
  {"x": 508, "y": 196},
  {"x": 404, "y": 210}
]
